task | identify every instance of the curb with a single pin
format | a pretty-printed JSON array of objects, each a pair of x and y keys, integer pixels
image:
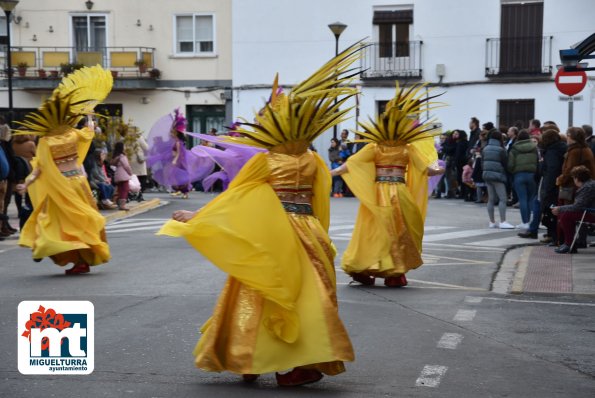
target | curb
[
  {"x": 140, "y": 208},
  {"x": 519, "y": 277}
]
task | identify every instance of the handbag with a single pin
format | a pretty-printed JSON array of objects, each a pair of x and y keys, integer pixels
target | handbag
[
  {"x": 566, "y": 193},
  {"x": 134, "y": 184}
]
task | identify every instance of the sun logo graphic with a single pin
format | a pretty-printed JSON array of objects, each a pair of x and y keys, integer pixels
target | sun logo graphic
[{"x": 56, "y": 337}]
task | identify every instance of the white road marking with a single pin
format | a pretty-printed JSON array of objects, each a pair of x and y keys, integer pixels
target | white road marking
[
  {"x": 501, "y": 242},
  {"x": 541, "y": 302},
  {"x": 457, "y": 234},
  {"x": 464, "y": 315},
  {"x": 473, "y": 300},
  {"x": 117, "y": 231},
  {"x": 431, "y": 376},
  {"x": 461, "y": 248},
  {"x": 450, "y": 341},
  {"x": 447, "y": 285},
  {"x": 113, "y": 227},
  {"x": 341, "y": 227}
]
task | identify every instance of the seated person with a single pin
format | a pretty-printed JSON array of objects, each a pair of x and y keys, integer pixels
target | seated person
[
  {"x": 568, "y": 215},
  {"x": 99, "y": 181}
]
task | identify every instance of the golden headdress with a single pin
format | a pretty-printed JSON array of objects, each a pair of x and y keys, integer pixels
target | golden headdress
[
  {"x": 76, "y": 96},
  {"x": 308, "y": 110},
  {"x": 403, "y": 119}
]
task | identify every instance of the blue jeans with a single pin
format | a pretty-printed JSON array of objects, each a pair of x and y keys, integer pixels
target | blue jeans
[
  {"x": 526, "y": 188},
  {"x": 536, "y": 220},
  {"x": 106, "y": 191}
]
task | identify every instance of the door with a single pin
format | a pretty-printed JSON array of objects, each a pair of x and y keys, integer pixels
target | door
[{"x": 203, "y": 118}]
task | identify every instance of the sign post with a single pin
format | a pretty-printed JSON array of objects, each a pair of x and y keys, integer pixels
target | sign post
[{"x": 570, "y": 83}]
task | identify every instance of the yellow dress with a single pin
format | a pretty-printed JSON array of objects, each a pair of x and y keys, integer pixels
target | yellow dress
[
  {"x": 268, "y": 231},
  {"x": 388, "y": 232},
  {"x": 65, "y": 224}
]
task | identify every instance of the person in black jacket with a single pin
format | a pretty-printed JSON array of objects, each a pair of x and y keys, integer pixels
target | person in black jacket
[
  {"x": 461, "y": 159},
  {"x": 553, "y": 151}
]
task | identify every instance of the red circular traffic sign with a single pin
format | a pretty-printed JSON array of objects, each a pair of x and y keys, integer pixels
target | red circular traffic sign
[{"x": 571, "y": 83}]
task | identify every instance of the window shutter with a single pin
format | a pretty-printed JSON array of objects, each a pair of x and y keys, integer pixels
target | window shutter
[{"x": 393, "y": 17}]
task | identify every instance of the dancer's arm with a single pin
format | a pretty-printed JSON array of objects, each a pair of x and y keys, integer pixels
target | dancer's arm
[
  {"x": 339, "y": 170},
  {"x": 184, "y": 215},
  {"x": 21, "y": 188}
]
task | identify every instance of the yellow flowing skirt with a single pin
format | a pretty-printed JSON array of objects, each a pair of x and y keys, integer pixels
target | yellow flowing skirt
[
  {"x": 386, "y": 241},
  {"x": 278, "y": 309},
  {"x": 69, "y": 228},
  {"x": 236, "y": 339}
]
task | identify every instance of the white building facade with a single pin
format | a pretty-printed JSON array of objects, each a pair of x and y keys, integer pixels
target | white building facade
[
  {"x": 184, "y": 46},
  {"x": 493, "y": 59}
]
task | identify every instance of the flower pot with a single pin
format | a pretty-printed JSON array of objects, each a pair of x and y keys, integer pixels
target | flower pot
[
  {"x": 54, "y": 74},
  {"x": 114, "y": 74},
  {"x": 142, "y": 69},
  {"x": 41, "y": 73},
  {"x": 22, "y": 72}
]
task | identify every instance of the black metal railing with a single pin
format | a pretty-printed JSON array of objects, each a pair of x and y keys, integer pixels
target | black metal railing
[
  {"x": 519, "y": 56},
  {"x": 53, "y": 62},
  {"x": 392, "y": 60}
]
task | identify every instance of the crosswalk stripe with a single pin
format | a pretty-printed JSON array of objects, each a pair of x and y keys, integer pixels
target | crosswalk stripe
[
  {"x": 453, "y": 235},
  {"x": 150, "y": 228},
  {"x": 430, "y": 376},
  {"x": 112, "y": 227},
  {"x": 508, "y": 241}
]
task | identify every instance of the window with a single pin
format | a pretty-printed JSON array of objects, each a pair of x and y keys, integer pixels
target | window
[
  {"x": 393, "y": 32},
  {"x": 3, "y": 34},
  {"x": 195, "y": 34},
  {"x": 89, "y": 32},
  {"x": 515, "y": 112}
]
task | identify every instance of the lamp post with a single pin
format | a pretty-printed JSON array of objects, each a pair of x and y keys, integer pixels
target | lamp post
[
  {"x": 8, "y": 6},
  {"x": 337, "y": 28}
]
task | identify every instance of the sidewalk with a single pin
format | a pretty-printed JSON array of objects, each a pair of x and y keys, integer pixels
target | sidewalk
[
  {"x": 538, "y": 269},
  {"x": 110, "y": 215}
]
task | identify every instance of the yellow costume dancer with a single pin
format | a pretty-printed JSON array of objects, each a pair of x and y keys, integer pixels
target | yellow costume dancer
[
  {"x": 268, "y": 231},
  {"x": 389, "y": 177},
  {"x": 65, "y": 224}
]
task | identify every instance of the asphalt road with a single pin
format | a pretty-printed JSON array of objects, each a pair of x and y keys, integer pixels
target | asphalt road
[{"x": 446, "y": 334}]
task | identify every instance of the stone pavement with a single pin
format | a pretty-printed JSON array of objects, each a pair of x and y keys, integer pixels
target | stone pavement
[{"x": 538, "y": 269}]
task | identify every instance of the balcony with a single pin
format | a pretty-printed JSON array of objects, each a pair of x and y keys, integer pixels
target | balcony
[
  {"x": 389, "y": 61},
  {"x": 519, "y": 56},
  {"x": 45, "y": 65}
]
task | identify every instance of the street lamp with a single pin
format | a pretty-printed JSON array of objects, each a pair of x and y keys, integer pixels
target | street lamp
[
  {"x": 8, "y": 6},
  {"x": 337, "y": 28}
]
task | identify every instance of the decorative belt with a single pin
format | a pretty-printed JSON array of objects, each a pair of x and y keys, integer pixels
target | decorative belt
[
  {"x": 297, "y": 208},
  {"x": 72, "y": 173},
  {"x": 64, "y": 159},
  {"x": 399, "y": 179}
]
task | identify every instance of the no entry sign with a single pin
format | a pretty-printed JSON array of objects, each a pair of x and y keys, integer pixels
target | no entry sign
[{"x": 570, "y": 83}]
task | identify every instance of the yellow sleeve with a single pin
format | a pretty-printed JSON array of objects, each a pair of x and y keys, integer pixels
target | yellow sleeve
[
  {"x": 422, "y": 154},
  {"x": 85, "y": 136},
  {"x": 322, "y": 193},
  {"x": 245, "y": 232},
  {"x": 361, "y": 175}
]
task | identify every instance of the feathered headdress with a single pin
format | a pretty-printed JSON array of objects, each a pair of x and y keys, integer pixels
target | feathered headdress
[
  {"x": 308, "y": 110},
  {"x": 180, "y": 122},
  {"x": 403, "y": 119},
  {"x": 75, "y": 97}
]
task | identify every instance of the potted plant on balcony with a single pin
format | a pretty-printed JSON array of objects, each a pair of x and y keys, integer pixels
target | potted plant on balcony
[
  {"x": 67, "y": 69},
  {"x": 41, "y": 73},
  {"x": 142, "y": 65},
  {"x": 22, "y": 68},
  {"x": 155, "y": 73},
  {"x": 114, "y": 73},
  {"x": 54, "y": 74}
]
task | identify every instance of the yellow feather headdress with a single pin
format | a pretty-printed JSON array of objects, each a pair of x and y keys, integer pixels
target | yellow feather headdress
[
  {"x": 76, "y": 96},
  {"x": 308, "y": 110},
  {"x": 403, "y": 119}
]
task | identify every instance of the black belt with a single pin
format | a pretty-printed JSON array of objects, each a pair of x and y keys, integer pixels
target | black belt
[
  {"x": 297, "y": 208},
  {"x": 400, "y": 179}
]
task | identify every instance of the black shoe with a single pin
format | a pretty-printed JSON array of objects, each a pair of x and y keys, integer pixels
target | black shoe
[
  {"x": 564, "y": 248},
  {"x": 528, "y": 235}
]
